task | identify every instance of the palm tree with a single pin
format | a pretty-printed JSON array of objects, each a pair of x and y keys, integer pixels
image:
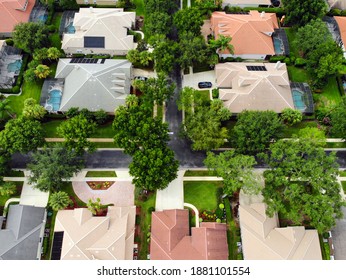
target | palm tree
[
  {"x": 42, "y": 71},
  {"x": 53, "y": 53},
  {"x": 5, "y": 108},
  {"x": 94, "y": 206},
  {"x": 145, "y": 58},
  {"x": 59, "y": 200},
  {"x": 222, "y": 43},
  {"x": 7, "y": 189}
]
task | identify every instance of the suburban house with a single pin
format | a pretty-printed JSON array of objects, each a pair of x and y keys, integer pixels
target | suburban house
[
  {"x": 78, "y": 235},
  {"x": 171, "y": 239},
  {"x": 88, "y": 83},
  {"x": 97, "y": 2},
  {"x": 263, "y": 239},
  {"x": 22, "y": 237},
  {"x": 100, "y": 31},
  {"x": 246, "y": 3},
  {"x": 251, "y": 33},
  {"x": 13, "y": 12},
  {"x": 341, "y": 22},
  {"x": 337, "y": 4},
  {"x": 254, "y": 86}
]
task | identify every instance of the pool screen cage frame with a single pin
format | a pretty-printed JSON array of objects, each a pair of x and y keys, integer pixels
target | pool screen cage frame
[
  {"x": 307, "y": 96},
  {"x": 47, "y": 84},
  {"x": 281, "y": 34},
  {"x": 65, "y": 17}
]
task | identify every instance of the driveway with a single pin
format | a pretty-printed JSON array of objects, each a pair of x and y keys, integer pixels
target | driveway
[
  {"x": 192, "y": 79},
  {"x": 121, "y": 193},
  {"x": 33, "y": 197}
]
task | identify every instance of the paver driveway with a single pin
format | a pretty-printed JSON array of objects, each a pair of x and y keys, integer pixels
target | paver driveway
[{"x": 121, "y": 193}]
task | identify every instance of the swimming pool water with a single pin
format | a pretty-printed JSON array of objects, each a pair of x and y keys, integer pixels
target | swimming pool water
[
  {"x": 43, "y": 18},
  {"x": 278, "y": 46},
  {"x": 298, "y": 99},
  {"x": 14, "y": 66},
  {"x": 54, "y": 99},
  {"x": 70, "y": 28}
]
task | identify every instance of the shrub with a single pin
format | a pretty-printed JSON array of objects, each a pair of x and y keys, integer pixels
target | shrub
[
  {"x": 287, "y": 60},
  {"x": 51, "y": 28},
  {"x": 101, "y": 116},
  {"x": 87, "y": 114},
  {"x": 9, "y": 42},
  {"x": 238, "y": 59},
  {"x": 151, "y": 209},
  {"x": 215, "y": 93},
  {"x": 277, "y": 58},
  {"x": 15, "y": 89},
  {"x": 290, "y": 116},
  {"x": 221, "y": 206},
  {"x": 72, "y": 112},
  {"x": 300, "y": 62}
]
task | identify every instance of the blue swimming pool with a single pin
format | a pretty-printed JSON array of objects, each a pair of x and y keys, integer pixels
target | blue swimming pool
[
  {"x": 14, "y": 67},
  {"x": 42, "y": 18},
  {"x": 70, "y": 28},
  {"x": 298, "y": 99},
  {"x": 278, "y": 45},
  {"x": 54, "y": 100}
]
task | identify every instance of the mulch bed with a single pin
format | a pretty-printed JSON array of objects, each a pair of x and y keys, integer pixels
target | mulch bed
[{"x": 100, "y": 185}]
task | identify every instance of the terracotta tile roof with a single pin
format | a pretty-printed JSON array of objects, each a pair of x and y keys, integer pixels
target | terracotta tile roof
[
  {"x": 10, "y": 13},
  {"x": 170, "y": 238},
  {"x": 251, "y": 33},
  {"x": 342, "y": 27},
  {"x": 242, "y": 89}
]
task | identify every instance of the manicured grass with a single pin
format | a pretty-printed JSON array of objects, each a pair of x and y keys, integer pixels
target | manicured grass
[
  {"x": 202, "y": 194},
  {"x": 101, "y": 174},
  {"x": 343, "y": 183},
  {"x": 67, "y": 187},
  {"x": 288, "y": 131},
  {"x": 140, "y": 10},
  {"x": 29, "y": 90},
  {"x": 343, "y": 173},
  {"x": 335, "y": 145},
  {"x": 299, "y": 75},
  {"x": 232, "y": 232},
  {"x": 56, "y": 21},
  {"x": 145, "y": 223},
  {"x": 291, "y": 35},
  {"x": 100, "y": 145},
  {"x": 205, "y": 95},
  {"x": 191, "y": 173},
  {"x": 50, "y": 128},
  {"x": 14, "y": 173},
  {"x": 330, "y": 94},
  {"x": 55, "y": 40},
  {"x": 104, "y": 131},
  {"x": 4, "y": 198}
]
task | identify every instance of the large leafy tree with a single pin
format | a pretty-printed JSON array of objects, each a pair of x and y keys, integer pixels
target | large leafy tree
[
  {"x": 302, "y": 12},
  {"x": 59, "y": 200},
  {"x": 30, "y": 36},
  {"x": 313, "y": 134},
  {"x": 76, "y": 131},
  {"x": 188, "y": 20},
  {"x": 255, "y": 130},
  {"x": 236, "y": 170},
  {"x": 32, "y": 110},
  {"x": 21, "y": 135},
  {"x": 5, "y": 109},
  {"x": 153, "y": 168},
  {"x": 338, "y": 119},
  {"x": 158, "y": 23},
  {"x": 291, "y": 116},
  {"x": 302, "y": 184},
  {"x": 50, "y": 167}
]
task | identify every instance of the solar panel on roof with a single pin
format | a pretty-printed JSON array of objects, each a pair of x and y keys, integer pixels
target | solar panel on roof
[
  {"x": 57, "y": 245},
  {"x": 94, "y": 42},
  {"x": 256, "y": 68}
]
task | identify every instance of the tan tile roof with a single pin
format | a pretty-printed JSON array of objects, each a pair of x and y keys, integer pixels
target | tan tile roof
[
  {"x": 342, "y": 27},
  {"x": 262, "y": 239},
  {"x": 10, "y": 15},
  {"x": 337, "y": 4},
  {"x": 104, "y": 238},
  {"x": 241, "y": 89},
  {"x": 251, "y": 34},
  {"x": 170, "y": 239}
]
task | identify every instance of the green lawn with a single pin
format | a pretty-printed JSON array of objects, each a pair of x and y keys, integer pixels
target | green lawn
[
  {"x": 145, "y": 223},
  {"x": 14, "y": 173},
  {"x": 298, "y": 75},
  {"x": 288, "y": 131},
  {"x": 67, "y": 187},
  {"x": 335, "y": 145},
  {"x": 205, "y": 95},
  {"x": 104, "y": 131},
  {"x": 140, "y": 10},
  {"x": 191, "y": 173},
  {"x": 50, "y": 128},
  {"x": 101, "y": 174},
  {"x": 291, "y": 35},
  {"x": 330, "y": 93},
  {"x": 4, "y": 198},
  {"x": 202, "y": 194},
  {"x": 32, "y": 90},
  {"x": 343, "y": 183},
  {"x": 55, "y": 40},
  {"x": 56, "y": 21},
  {"x": 343, "y": 173},
  {"x": 100, "y": 145}
]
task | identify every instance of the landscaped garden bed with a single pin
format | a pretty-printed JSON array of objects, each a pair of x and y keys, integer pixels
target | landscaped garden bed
[{"x": 100, "y": 185}]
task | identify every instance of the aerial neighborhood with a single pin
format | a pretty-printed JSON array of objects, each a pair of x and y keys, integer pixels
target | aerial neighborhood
[{"x": 172, "y": 130}]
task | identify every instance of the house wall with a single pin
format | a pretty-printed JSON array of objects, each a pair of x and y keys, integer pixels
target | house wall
[
  {"x": 94, "y": 51},
  {"x": 245, "y": 56}
]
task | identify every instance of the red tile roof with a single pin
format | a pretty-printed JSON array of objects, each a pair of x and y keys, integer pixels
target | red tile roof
[
  {"x": 11, "y": 13},
  {"x": 171, "y": 239}
]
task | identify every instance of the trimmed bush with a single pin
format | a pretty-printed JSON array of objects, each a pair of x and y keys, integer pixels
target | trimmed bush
[
  {"x": 277, "y": 58},
  {"x": 151, "y": 209},
  {"x": 287, "y": 60},
  {"x": 51, "y": 28},
  {"x": 9, "y": 42},
  {"x": 215, "y": 93},
  {"x": 300, "y": 62}
]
